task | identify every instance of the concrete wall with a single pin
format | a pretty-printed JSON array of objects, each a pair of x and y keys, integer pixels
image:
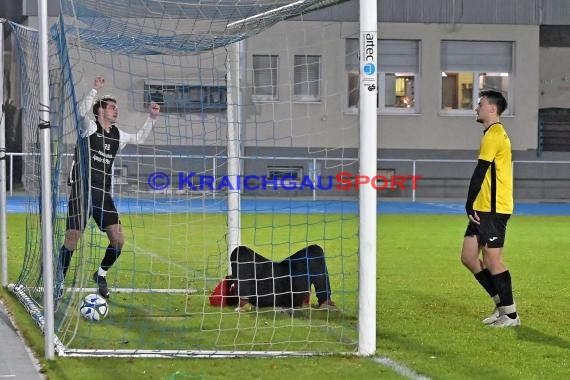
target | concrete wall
[
  {"x": 330, "y": 123},
  {"x": 554, "y": 77}
]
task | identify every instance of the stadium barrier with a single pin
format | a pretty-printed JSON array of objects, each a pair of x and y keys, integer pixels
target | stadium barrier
[{"x": 440, "y": 178}]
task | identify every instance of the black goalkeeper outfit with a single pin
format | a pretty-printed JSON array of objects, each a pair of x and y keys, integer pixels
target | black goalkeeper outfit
[{"x": 286, "y": 283}]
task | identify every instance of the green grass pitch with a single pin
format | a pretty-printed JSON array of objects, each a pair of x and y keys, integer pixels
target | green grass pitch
[{"x": 428, "y": 306}]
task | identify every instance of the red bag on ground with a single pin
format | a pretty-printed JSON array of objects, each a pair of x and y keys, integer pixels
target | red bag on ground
[{"x": 225, "y": 293}]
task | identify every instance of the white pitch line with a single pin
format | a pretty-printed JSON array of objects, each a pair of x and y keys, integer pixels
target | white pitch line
[
  {"x": 141, "y": 250},
  {"x": 400, "y": 369},
  {"x": 155, "y": 256}
]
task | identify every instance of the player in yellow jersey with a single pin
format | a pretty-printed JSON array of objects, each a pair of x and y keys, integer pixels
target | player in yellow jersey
[{"x": 489, "y": 206}]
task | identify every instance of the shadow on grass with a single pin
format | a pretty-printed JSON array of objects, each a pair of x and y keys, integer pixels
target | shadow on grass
[
  {"x": 411, "y": 344},
  {"x": 532, "y": 335},
  {"x": 431, "y": 359}
]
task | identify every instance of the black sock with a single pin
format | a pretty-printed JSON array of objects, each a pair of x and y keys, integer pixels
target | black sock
[
  {"x": 504, "y": 288},
  {"x": 486, "y": 280},
  {"x": 111, "y": 255},
  {"x": 64, "y": 259}
]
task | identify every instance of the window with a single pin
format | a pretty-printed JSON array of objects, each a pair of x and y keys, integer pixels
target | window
[
  {"x": 398, "y": 65},
  {"x": 467, "y": 67},
  {"x": 265, "y": 77},
  {"x": 307, "y": 77},
  {"x": 284, "y": 173},
  {"x": 399, "y": 90},
  {"x": 352, "y": 65},
  {"x": 120, "y": 175},
  {"x": 182, "y": 98}
]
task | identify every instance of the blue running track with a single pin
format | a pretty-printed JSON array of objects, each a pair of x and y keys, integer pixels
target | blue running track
[{"x": 17, "y": 204}]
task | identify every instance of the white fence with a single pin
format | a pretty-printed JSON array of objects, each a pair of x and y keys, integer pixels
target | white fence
[{"x": 437, "y": 178}]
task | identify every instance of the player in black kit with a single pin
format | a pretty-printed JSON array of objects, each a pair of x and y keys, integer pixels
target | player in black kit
[
  {"x": 103, "y": 140},
  {"x": 287, "y": 283}
]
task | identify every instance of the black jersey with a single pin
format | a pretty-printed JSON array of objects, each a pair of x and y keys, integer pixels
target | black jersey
[
  {"x": 284, "y": 283},
  {"x": 103, "y": 147}
]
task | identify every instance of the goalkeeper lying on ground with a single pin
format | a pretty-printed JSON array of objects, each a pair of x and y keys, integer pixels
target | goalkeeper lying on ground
[{"x": 262, "y": 282}]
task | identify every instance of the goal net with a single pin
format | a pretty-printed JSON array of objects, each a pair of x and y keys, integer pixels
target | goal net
[{"x": 254, "y": 128}]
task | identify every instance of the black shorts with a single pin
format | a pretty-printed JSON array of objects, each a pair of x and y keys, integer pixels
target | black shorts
[
  {"x": 491, "y": 231},
  {"x": 102, "y": 209}
]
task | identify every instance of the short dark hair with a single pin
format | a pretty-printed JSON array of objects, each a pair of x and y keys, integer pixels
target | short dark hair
[
  {"x": 102, "y": 102},
  {"x": 496, "y": 98}
]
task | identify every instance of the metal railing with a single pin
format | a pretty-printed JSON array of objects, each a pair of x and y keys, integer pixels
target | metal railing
[{"x": 314, "y": 168}]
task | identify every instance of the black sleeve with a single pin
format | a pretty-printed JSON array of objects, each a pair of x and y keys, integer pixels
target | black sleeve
[{"x": 475, "y": 184}]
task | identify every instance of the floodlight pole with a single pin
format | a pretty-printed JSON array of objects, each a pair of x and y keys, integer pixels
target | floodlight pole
[
  {"x": 3, "y": 211},
  {"x": 367, "y": 194},
  {"x": 45, "y": 165}
]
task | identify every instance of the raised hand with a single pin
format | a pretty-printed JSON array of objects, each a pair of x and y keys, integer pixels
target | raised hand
[
  {"x": 98, "y": 82},
  {"x": 154, "y": 109}
]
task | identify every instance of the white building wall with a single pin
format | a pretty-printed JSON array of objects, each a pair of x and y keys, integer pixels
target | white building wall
[
  {"x": 554, "y": 77},
  {"x": 331, "y": 124}
]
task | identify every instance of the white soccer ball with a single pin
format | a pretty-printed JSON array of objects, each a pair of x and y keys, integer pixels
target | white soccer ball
[{"x": 94, "y": 307}]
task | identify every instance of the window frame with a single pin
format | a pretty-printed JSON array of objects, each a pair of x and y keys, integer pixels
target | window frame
[
  {"x": 308, "y": 98},
  {"x": 509, "y": 111},
  {"x": 294, "y": 173},
  {"x": 178, "y": 98},
  {"x": 381, "y": 108},
  {"x": 475, "y": 95},
  {"x": 275, "y": 93}
]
